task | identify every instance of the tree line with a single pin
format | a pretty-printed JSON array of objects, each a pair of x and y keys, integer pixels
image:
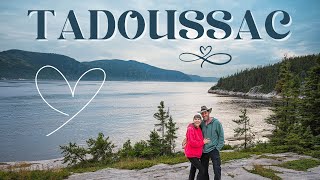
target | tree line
[
  {"x": 296, "y": 115},
  {"x": 266, "y": 77}
]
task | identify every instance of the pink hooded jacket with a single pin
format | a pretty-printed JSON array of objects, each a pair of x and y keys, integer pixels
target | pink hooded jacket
[{"x": 195, "y": 143}]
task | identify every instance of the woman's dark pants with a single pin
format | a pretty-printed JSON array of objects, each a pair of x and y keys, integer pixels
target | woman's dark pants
[{"x": 196, "y": 164}]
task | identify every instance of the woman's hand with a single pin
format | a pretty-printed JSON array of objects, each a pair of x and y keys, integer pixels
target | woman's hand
[{"x": 206, "y": 141}]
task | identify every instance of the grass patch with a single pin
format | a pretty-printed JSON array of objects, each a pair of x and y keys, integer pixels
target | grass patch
[
  {"x": 89, "y": 167},
  {"x": 128, "y": 163},
  {"x": 56, "y": 174},
  {"x": 271, "y": 157},
  {"x": 134, "y": 164},
  {"x": 227, "y": 156},
  {"x": 138, "y": 163},
  {"x": 265, "y": 172},
  {"x": 313, "y": 153},
  {"x": 267, "y": 148},
  {"x": 274, "y": 149},
  {"x": 301, "y": 164},
  {"x": 173, "y": 160}
]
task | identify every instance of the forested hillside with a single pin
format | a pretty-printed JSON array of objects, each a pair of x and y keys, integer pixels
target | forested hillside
[
  {"x": 19, "y": 64},
  {"x": 267, "y": 76}
]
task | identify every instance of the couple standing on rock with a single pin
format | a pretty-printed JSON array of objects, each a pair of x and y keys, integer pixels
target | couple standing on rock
[{"x": 204, "y": 140}]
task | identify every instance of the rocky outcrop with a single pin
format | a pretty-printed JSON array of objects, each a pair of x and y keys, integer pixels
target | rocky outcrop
[
  {"x": 232, "y": 170},
  {"x": 235, "y": 169},
  {"x": 252, "y": 93}
]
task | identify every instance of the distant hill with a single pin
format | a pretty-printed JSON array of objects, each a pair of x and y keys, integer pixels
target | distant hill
[
  {"x": 136, "y": 71},
  {"x": 265, "y": 78},
  {"x": 203, "y": 79},
  {"x": 19, "y": 64}
]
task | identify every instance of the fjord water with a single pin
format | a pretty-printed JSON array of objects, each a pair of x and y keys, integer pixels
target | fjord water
[{"x": 122, "y": 110}]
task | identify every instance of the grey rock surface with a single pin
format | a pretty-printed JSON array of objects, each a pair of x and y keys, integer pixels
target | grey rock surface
[
  {"x": 235, "y": 169},
  {"x": 232, "y": 170}
]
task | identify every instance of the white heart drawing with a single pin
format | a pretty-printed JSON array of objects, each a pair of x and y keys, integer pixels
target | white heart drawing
[{"x": 72, "y": 92}]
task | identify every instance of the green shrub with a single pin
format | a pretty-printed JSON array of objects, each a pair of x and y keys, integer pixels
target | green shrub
[
  {"x": 127, "y": 150},
  {"x": 139, "y": 148},
  {"x": 227, "y": 147},
  {"x": 101, "y": 148},
  {"x": 227, "y": 156},
  {"x": 73, "y": 153},
  {"x": 313, "y": 153},
  {"x": 56, "y": 174}
]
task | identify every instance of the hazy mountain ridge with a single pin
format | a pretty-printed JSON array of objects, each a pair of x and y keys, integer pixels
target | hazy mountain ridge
[{"x": 19, "y": 64}]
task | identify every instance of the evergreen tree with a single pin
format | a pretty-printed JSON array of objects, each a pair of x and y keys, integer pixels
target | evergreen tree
[
  {"x": 244, "y": 129},
  {"x": 310, "y": 106},
  {"x": 127, "y": 150},
  {"x": 285, "y": 116},
  {"x": 101, "y": 148},
  {"x": 171, "y": 134},
  {"x": 73, "y": 154},
  {"x": 162, "y": 116},
  {"x": 155, "y": 144},
  {"x": 298, "y": 138},
  {"x": 167, "y": 128},
  {"x": 140, "y": 148},
  {"x": 290, "y": 112}
]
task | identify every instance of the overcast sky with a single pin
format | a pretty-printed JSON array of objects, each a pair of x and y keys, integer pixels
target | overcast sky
[{"x": 18, "y": 31}]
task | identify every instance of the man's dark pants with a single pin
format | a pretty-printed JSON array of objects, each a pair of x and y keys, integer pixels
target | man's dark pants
[{"x": 214, "y": 155}]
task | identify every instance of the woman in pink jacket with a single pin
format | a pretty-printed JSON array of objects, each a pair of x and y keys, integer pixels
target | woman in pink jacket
[{"x": 194, "y": 146}]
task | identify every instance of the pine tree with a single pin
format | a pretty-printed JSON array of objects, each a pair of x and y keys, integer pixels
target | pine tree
[
  {"x": 285, "y": 109},
  {"x": 310, "y": 106},
  {"x": 155, "y": 144},
  {"x": 127, "y": 150},
  {"x": 171, "y": 134},
  {"x": 139, "y": 148},
  {"x": 101, "y": 148},
  {"x": 162, "y": 116},
  {"x": 245, "y": 129}
]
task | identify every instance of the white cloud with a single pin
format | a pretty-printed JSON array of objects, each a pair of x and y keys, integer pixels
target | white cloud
[{"x": 19, "y": 32}]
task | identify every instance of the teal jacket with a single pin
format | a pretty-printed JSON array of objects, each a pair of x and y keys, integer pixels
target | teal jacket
[{"x": 214, "y": 132}]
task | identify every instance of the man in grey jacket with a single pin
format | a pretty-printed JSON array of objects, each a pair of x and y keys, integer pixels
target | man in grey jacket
[{"x": 211, "y": 129}]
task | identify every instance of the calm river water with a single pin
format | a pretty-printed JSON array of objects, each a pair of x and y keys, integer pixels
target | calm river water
[{"x": 121, "y": 110}]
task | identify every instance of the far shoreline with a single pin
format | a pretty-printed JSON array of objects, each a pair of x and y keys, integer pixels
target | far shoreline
[
  {"x": 249, "y": 95},
  {"x": 74, "y": 80}
]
